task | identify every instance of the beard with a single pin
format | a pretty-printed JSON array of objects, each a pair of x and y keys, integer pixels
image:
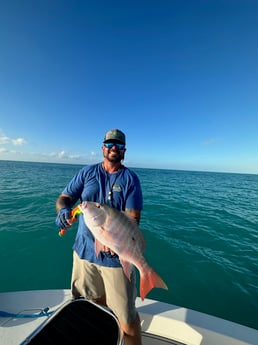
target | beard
[{"x": 114, "y": 156}]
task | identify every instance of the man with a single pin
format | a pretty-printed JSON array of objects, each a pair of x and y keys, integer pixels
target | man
[{"x": 101, "y": 278}]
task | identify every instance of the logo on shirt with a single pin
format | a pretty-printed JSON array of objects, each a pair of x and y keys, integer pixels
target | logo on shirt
[{"x": 116, "y": 188}]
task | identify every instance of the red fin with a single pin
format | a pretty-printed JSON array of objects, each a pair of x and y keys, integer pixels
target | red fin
[
  {"x": 127, "y": 268},
  {"x": 149, "y": 281}
]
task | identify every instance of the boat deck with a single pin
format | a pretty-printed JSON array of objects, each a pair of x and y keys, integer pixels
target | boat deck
[{"x": 162, "y": 323}]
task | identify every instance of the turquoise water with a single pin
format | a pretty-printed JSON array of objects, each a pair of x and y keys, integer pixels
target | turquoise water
[{"x": 201, "y": 231}]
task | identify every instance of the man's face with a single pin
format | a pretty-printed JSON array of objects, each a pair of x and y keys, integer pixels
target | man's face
[{"x": 113, "y": 152}]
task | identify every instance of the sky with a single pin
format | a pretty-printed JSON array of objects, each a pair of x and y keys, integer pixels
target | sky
[{"x": 179, "y": 77}]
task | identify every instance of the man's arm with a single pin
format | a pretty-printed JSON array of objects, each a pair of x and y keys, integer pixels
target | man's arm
[
  {"x": 135, "y": 214},
  {"x": 64, "y": 201},
  {"x": 64, "y": 205}
]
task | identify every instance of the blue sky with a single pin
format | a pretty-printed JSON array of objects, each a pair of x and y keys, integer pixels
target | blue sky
[{"x": 180, "y": 78}]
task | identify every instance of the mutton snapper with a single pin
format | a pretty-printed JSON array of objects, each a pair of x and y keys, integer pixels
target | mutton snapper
[{"x": 120, "y": 233}]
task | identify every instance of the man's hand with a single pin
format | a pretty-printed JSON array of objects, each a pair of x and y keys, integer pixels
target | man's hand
[
  {"x": 63, "y": 218},
  {"x": 106, "y": 249}
]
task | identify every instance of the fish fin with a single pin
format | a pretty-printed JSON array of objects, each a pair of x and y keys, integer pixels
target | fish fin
[
  {"x": 127, "y": 268},
  {"x": 98, "y": 247},
  {"x": 150, "y": 280}
]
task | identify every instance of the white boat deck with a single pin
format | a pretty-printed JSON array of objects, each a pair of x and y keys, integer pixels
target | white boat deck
[{"x": 162, "y": 323}]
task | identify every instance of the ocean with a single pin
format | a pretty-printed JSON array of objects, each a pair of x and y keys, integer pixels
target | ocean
[{"x": 201, "y": 230}]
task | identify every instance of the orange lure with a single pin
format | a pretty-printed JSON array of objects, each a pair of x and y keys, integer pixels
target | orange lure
[{"x": 74, "y": 214}]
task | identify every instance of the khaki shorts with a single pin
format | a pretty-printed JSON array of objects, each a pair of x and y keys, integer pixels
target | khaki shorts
[{"x": 93, "y": 281}]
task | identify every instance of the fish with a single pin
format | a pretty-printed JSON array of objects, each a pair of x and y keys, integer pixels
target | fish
[{"x": 121, "y": 234}]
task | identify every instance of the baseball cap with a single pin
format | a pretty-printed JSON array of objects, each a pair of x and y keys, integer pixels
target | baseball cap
[{"x": 115, "y": 134}]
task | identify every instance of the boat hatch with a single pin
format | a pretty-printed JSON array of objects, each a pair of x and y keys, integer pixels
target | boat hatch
[{"x": 78, "y": 322}]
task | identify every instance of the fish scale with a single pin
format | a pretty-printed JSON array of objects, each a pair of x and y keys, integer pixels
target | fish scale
[{"x": 114, "y": 228}]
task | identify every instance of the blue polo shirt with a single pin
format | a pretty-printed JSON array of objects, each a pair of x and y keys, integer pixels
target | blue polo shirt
[{"x": 93, "y": 183}]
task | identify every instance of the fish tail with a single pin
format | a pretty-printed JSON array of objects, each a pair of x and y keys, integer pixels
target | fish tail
[{"x": 150, "y": 280}]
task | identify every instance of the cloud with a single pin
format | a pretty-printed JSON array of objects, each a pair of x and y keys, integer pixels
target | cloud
[
  {"x": 6, "y": 144},
  {"x": 18, "y": 141},
  {"x": 9, "y": 145},
  {"x": 3, "y": 150},
  {"x": 4, "y": 140},
  {"x": 94, "y": 154},
  {"x": 62, "y": 154},
  {"x": 71, "y": 157}
]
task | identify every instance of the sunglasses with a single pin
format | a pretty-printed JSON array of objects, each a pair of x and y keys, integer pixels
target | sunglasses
[{"x": 118, "y": 146}]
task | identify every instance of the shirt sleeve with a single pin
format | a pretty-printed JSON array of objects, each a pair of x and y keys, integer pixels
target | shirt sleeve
[
  {"x": 75, "y": 187},
  {"x": 134, "y": 198}
]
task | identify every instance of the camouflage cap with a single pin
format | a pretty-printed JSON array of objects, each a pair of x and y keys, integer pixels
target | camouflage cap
[{"x": 115, "y": 134}]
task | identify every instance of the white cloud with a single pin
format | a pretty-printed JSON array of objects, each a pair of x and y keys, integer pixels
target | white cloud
[
  {"x": 62, "y": 154},
  {"x": 93, "y": 154},
  {"x": 7, "y": 152},
  {"x": 18, "y": 141},
  {"x": 3, "y": 150},
  {"x": 6, "y": 146},
  {"x": 4, "y": 140}
]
